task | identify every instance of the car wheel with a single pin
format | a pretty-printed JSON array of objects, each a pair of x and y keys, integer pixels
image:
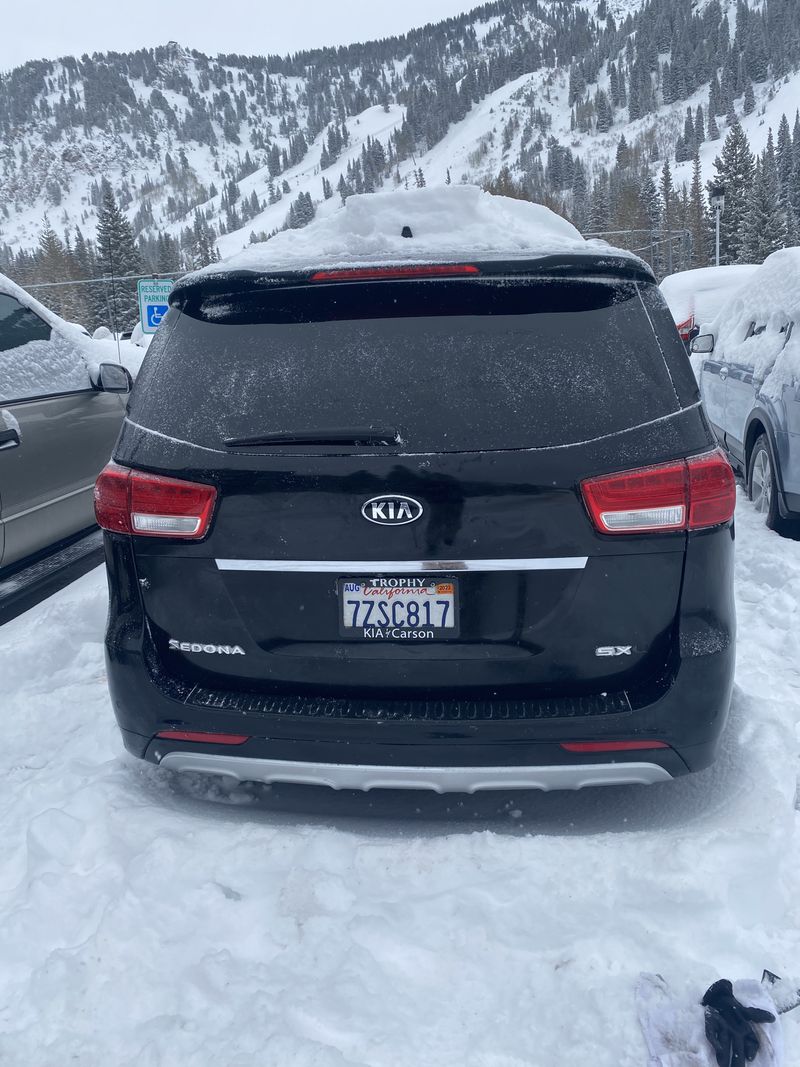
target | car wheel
[{"x": 762, "y": 488}]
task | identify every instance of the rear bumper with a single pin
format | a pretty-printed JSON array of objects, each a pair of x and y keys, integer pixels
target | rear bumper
[
  {"x": 438, "y": 752},
  {"x": 436, "y": 779},
  {"x": 458, "y": 745}
]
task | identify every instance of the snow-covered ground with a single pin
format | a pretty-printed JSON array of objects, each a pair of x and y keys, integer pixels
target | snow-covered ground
[{"x": 152, "y": 920}]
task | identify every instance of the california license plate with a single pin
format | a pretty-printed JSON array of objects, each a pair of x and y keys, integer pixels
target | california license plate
[{"x": 398, "y": 609}]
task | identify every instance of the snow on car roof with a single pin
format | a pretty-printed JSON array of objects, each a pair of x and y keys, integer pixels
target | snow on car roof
[
  {"x": 760, "y": 323},
  {"x": 447, "y": 223},
  {"x": 702, "y": 292}
]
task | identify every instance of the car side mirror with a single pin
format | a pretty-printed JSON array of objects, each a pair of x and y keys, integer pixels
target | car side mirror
[
  {"x": 702, "y": 345},
  {"x": 113, "y": 378}
]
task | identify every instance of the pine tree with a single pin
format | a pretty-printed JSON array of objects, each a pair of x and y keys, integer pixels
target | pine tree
[
  {"x": 53, "y": 267},
  {"x": 605, "y": 114},
  {"x": 117, "y": 255},
  {"x": 785, "y": 159},
  {"x": 734, "y": 170},
  {"x": 580, "y": 198},
  {"x": 697, "y": 220},
  {"x": 652, "y": 207},
  {"x": 689, "y": 137},
  {"x": 667, "y": 191},
  {"x": 749, "y": 98},
  {"x": 699, "y": 126},
  {"x": 764, "y": 229}
]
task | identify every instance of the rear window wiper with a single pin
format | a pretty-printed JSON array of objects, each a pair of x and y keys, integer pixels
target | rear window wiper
[{"x": 369, "y": 435}]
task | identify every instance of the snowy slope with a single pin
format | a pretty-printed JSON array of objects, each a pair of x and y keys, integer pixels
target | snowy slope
[
  {"x": 478, "y": 136},
  {"x": 472, "y": 151},
  {"x": 148, "y": 919}
]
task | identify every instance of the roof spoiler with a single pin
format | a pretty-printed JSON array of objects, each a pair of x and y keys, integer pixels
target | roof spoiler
[{"x": 596, "y": 265}]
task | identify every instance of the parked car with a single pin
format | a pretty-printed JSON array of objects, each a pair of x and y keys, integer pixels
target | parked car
[
  {"x": 696, "y": 296},
  {"x": 60, "y": 414},
  {"x": 448, "y": 517},
  {"x": 748, "y": 363}
]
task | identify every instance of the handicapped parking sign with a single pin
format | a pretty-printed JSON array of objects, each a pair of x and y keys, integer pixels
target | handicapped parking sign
[
  {"x": 155, "y": 313},
  {"x": 153, "y": 302}
]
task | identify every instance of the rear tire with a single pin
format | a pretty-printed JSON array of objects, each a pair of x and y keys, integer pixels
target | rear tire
[{"x": 762, "y": 488}]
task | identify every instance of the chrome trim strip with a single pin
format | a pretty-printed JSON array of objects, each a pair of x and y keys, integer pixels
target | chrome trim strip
[
  {"x": 438, "y": 779},
  {"x": 403, "y": 566},
  {"x": 48, "y": 503}
]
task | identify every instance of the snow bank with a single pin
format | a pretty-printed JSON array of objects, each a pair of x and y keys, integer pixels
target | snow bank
[
  {"x": 454, "y": 222},
  {"x": 701, "y": 293},
  {"x": 151, "y": 919},
  {"x": 769, "y": 299}
]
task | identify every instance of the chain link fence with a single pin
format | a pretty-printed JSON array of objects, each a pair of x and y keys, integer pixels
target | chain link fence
[{"x": 667, "y": 252}]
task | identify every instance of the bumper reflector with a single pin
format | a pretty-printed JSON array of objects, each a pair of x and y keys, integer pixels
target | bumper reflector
[
  {"x": 612, "y": 746},
  {"x": 202, "y": 737}
]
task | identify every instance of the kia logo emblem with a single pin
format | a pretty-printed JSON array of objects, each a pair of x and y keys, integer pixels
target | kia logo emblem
[{"x": 392, "y": 510}]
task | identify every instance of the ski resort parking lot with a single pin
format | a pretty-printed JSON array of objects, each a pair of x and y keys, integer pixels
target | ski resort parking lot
[{"x": 149, "y": 919}]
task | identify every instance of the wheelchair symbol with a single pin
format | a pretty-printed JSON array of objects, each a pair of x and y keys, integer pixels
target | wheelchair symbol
[{"x": 155, "y": 313}]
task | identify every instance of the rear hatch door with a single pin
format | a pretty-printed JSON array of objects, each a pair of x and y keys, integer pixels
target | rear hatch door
[{"x": 416, "y": 443}]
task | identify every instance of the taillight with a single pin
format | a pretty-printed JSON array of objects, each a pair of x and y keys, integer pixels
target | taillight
[
  {"x": 712, "y": 490},
  {"x": 133, "y": 502},
  {"x": 685, "y": 328},
  {"x": 368, "y": 274},
  {"x": 689, "y": 494}
]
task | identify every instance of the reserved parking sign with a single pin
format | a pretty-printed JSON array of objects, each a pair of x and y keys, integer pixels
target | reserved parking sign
[{"x": 153, "y": 302}]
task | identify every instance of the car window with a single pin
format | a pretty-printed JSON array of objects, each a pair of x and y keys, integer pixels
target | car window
[
  {"x": 454, "y": 366},
  {"x": 34, "y": 359}
]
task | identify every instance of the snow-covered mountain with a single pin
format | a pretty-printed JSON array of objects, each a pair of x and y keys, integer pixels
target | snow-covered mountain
[{"x": 236, "y": 143}]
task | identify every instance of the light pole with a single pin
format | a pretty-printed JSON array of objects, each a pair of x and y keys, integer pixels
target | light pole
[{"x": 716, "y": 196}]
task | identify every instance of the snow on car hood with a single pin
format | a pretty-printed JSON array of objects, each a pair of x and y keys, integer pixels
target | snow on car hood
[
  {"x": 770, "y": 298},
  {"x": 456, "y": 222}
]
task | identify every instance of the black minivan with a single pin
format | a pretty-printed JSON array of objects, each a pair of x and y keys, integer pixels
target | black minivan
[{"x": 452, "y": 526}]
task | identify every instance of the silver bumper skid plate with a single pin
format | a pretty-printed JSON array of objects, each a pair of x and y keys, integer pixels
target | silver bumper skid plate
[{"x": 438, "y": 779}]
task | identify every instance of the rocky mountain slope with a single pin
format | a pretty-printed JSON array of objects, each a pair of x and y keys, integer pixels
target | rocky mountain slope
[{"x": 223, "y": 151}]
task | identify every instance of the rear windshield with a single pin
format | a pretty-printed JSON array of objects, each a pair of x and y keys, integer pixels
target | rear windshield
[{"x": 452, "y": 365}]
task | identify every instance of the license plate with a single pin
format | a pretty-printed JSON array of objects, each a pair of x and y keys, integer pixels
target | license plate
[{"x": 398, "y": 609}]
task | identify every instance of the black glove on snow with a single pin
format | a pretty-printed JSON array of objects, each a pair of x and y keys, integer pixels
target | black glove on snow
[{"x": 729, "y": 1026}]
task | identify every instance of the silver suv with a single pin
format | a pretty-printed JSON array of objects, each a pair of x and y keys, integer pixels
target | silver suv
[
  {"x": 748, "y": 364},
  {"x": 59, "y": 419}
]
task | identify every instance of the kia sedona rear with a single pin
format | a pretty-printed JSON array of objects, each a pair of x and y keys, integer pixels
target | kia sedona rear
[{"x": 456, "y": 528}]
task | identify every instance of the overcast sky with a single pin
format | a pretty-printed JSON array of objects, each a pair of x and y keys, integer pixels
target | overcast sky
[{"x": 47, "y": 29}]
